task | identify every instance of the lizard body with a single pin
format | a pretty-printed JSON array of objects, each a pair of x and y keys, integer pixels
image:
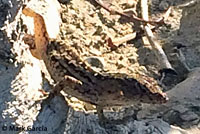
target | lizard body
[{"x": 75, "y": 77}]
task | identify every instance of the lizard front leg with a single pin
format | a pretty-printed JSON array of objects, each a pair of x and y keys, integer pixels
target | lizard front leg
[
  {"x": 100, "y": 113},
  {"x": 102, "y": 119},
  {"x": 67, "y": 82},
  {"x": 71, "y": 82}
]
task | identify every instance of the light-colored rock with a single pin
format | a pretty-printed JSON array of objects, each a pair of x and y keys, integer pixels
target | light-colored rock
[
  {"x": 52, "y": 8},
  {"x": 188, "y": 90}
]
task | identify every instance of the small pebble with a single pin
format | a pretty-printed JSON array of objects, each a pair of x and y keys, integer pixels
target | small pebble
[
  {"x": 95, "y": 62},
  {"x": 163, "y": 6},
  {"x": 71, "y": 29},
  {"x": 131, "y": 3}
]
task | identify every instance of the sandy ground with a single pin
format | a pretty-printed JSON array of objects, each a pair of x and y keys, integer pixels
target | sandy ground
[{"x": 21, "y": 80}]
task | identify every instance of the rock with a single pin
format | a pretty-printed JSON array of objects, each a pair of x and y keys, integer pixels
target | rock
[
  {"x": 59, "y": 118},
  {"x": 188, "y": 90},
  {"x": 177, "y": 130},
  {"x": 2, "y": 68},
  {"x": 70, "y": 29},
  {"x": 164, "y": 5},
  {"x": 130, "y": 3},
  {"x": 47, "y": 9},
  {"x": 172, "y": 117},
  {"x": 189, "y": 116},
  {"x": 96, "y": 62}
]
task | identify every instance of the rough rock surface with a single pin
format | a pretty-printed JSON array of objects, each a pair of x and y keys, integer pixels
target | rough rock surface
[{"x": 21, "y": 80}]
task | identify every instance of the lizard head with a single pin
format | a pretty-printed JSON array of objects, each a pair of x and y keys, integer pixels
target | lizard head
[
  {"x": 154, "y": 93},
  {"x": 156, "y": 98}
]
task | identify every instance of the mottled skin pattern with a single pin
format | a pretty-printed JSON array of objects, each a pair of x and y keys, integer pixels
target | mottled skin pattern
[
  {"x": 90, "y": 86},
  {"x": 77, "y": 78}
]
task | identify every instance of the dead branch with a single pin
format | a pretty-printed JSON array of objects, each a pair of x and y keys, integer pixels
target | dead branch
[
  {"x": 128, "y": 16},
  {"x": 125, "y": 38},
  {"x": 116, "y": 42},
  {"x": 164, "y": 63},
  {"x": 167, "y": 13}
]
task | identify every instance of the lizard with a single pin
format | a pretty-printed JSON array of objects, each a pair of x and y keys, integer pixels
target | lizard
[{"x": 76, "y": 78}]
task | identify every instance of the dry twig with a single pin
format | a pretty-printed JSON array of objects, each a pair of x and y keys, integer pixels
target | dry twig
[
  {"x": 125, "y": 38},
  {"x": 167, "y": 13},
  {"x": 164, "y": 63},
  {"x": 128, "y": 16},
  {"x": 115, "y": 43}
]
